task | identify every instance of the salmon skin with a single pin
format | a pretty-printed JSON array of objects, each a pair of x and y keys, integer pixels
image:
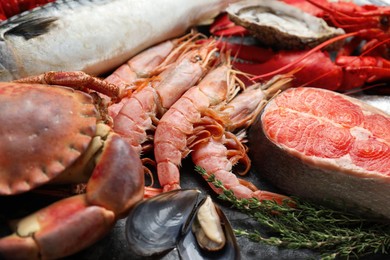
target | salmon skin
[
  {"x": 94, "y": 36},
  {"x": 326, "y": 147}
]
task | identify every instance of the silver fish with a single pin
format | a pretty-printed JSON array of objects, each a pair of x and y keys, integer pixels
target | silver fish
[{"x": 94, "y": 36}]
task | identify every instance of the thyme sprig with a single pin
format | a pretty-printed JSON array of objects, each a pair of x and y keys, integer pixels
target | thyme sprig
[{"x": 330, "y": 232}]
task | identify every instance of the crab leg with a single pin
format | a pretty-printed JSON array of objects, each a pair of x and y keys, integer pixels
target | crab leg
[{"x": 76, "y": 80}]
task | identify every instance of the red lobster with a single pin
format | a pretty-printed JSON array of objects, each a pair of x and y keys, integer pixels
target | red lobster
[
  {"x": 316, "y": 67},
  {"x": 10, "y": 8}
]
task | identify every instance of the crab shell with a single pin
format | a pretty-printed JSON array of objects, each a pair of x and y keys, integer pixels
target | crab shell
[{"x": 43, "y": 131}]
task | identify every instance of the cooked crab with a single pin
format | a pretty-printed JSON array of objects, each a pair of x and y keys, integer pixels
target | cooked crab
[{"x": 56, "y": 134}]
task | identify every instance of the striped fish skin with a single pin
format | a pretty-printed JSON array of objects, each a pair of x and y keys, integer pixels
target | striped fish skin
[{"x": 94, "y": 36}]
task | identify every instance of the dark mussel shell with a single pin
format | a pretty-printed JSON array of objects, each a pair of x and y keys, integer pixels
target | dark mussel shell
[
  {"x": 172, "y": 221},
  {"x": 191, "y": 248},
  {"x": 154, "y": 226}
]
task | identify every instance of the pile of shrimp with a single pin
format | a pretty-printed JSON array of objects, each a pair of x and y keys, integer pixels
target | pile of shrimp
[{"x": 184, "y": 99}]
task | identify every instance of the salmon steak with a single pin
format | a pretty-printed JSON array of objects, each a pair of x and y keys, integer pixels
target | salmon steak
[{"x": 327, "y": 147}]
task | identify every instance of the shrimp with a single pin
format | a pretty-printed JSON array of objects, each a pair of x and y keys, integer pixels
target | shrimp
[
  {"x": 186, "y": 119},
  {"x": 217, "y": 156},
  {"x": 138, "y": 116},
  {"x": 146, "y": 64},
  {"x": 151, "y": 61}
]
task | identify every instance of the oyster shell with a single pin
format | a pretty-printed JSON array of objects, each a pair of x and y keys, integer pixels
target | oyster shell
[{"x": 280, "y": 25}]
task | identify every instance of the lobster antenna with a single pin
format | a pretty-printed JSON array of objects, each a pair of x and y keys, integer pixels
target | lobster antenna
[{"x": 318, "y": 47}]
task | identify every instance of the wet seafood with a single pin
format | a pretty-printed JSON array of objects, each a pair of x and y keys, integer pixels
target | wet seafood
[
  {"x": 146, "y": 64},
  {"x": 316, "y": 67},
  {"x": 280, "y": 25},
  {"x": 362, "y": 60},
  {"x": 152, "y": 61},
  {"x": 156, "y": 224},
  {"x": 139, "y": 114},
  {"x": 181, "y": 219},
  {"x": 59, "y": 135},
  {"x": 192, "y": 246},
  {"x": 196, "y": 124},
  {"x": 326, "y": 147},
  {"x": 183, "y": 124},
  {"x": 85, "y": 35},
  {"x": 217, "y": 156}
]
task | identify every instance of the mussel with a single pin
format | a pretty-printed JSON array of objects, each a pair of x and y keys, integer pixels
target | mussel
[
  {"x": 184, "y": 220},
  {"x": 212, "y": 237}
]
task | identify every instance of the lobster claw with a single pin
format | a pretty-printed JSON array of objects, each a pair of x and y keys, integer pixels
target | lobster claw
[{"x": 69, "y": 225}]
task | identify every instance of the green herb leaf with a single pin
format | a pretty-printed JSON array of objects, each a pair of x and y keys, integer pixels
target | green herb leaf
[{"x": 331, "y": 232}]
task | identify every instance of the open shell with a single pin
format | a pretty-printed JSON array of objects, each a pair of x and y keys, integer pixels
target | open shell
[
  {"x": 155, "y": 225},
  {"x": 280, "y": 25},
  {"x": 213, "y": 239},
  {"x": 171, "y": 221},
  {"x": 207, "y": 227}
]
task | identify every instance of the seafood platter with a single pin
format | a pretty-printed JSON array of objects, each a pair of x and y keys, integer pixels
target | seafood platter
[{"x": 208, "y": 129}]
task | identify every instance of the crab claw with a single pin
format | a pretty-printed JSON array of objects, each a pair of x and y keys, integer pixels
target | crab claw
[
  {"x": 74, "y": 223},
  {"x": 58, "y": 230},
  {"x": 120, "y": 191}
]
